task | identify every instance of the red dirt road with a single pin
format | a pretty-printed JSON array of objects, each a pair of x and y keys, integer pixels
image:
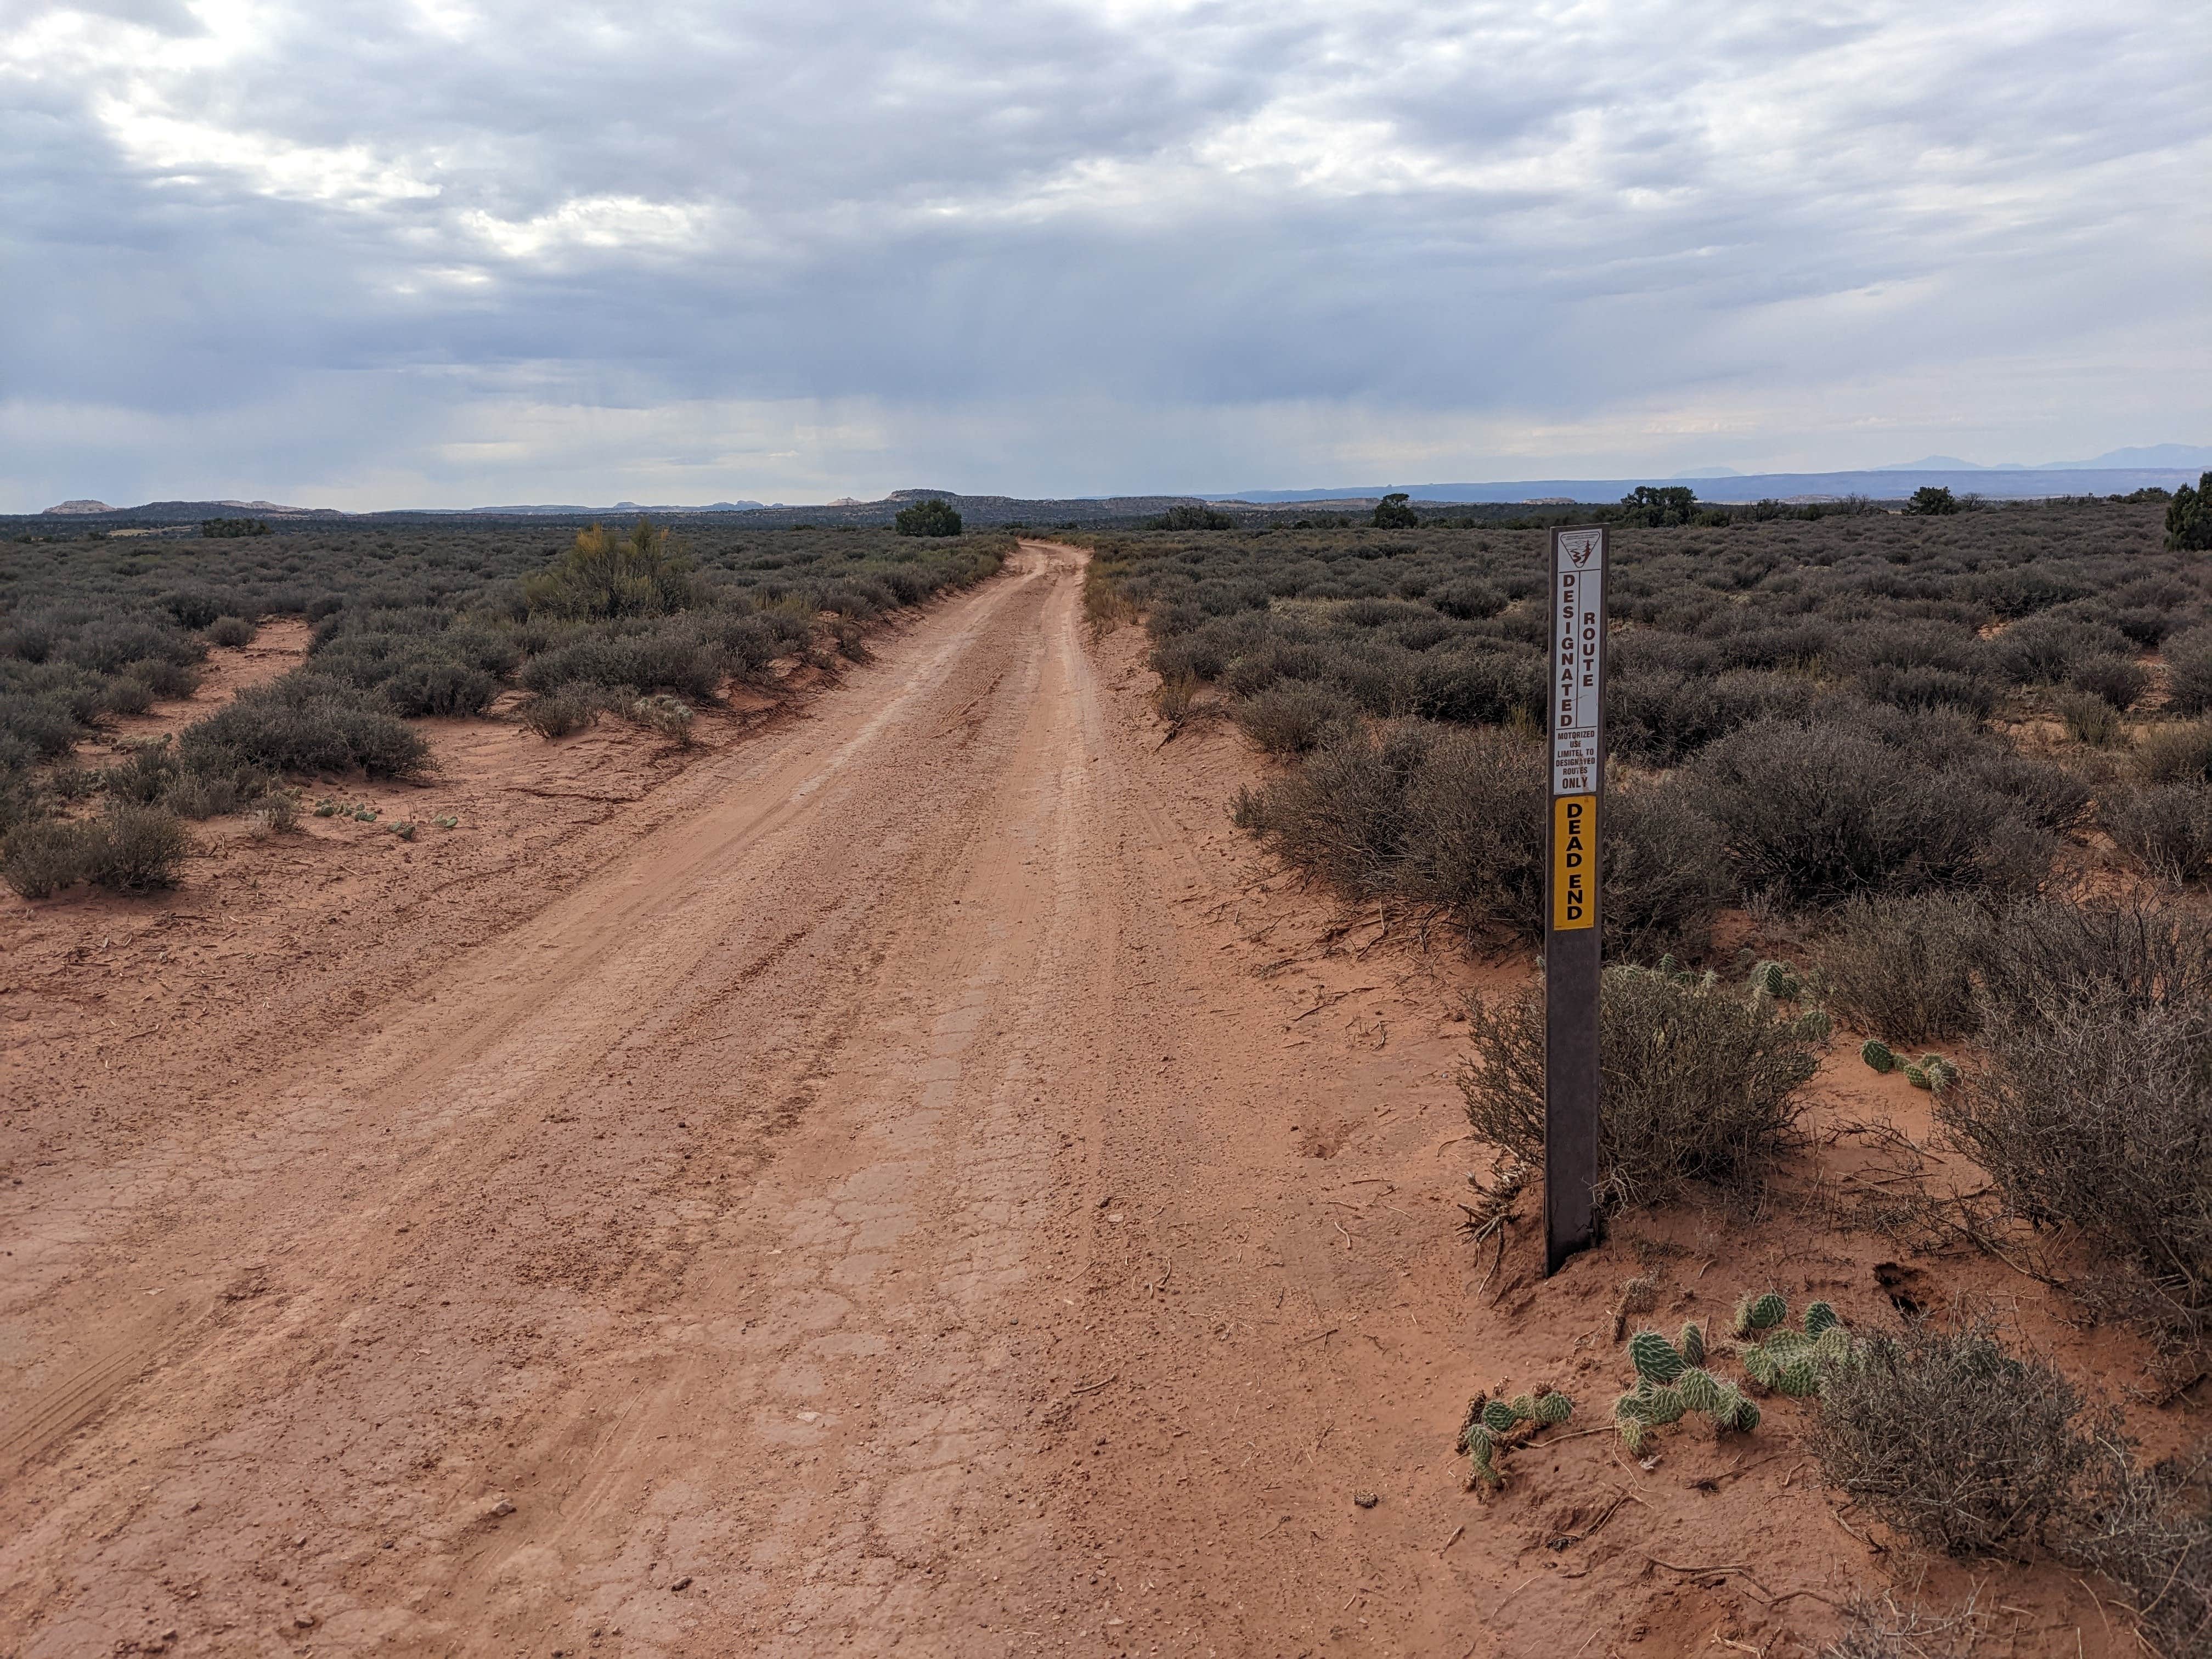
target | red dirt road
[{"x": 917, "y": 1191}]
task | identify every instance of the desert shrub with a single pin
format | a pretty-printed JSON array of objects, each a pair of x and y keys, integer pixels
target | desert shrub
[
  {"x": 1903, "y": 968},
  {"x": 673, "y": 660},
  {"x": 2167, "y": 827},
  {"x": 644, "y": 574},
  {"x": 2094, "y": 1114},
  {"x": 1292, "y": 717},
  {"x": 2044, "y": 957},
  {"x": 557, "y": 714},
  {"x": 1468, "y": 600},
  {"x": 2149, "y": 1529},
  {"x": 1477, "y": 688},
  {"x": 427, "y": 684},
  {"x": 2041, "y": 793},
  {"x": 42, "y": 856},
  {"x": 1815, "y": 814},
  {"x": 2189, "y": 671},
  {"x": 207, "y": 792},
  {"x": 230, "y": 630},
  {"x": 1665, "y": 880},
  {"x": 1661, "y": 716},
  {"x": 2177, "y": 753},
  {"x": 1958, "y": 1443},
  {"x": 136, "y": 849},
  {"x": 2046, "y": 650},
  {"x": 1701, "y": 1083},
  {"x": 1189, "y": 656},
  {"x": 1924, "y": 686},
  {"x": 2089, "y": 720},
  {"x": 1471, "y": 813},
  {"x": 669, "y": 716},
  {"x": 2120, "y": 681},
  {"x": 306, "y": 722}
]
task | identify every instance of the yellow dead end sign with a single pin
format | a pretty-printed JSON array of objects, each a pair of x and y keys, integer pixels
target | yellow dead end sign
[{"x": 1574, "y": 862}]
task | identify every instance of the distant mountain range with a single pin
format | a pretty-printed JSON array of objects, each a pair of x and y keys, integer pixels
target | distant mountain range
[
  {"x": 2185, "y": 456},
  {"x": 2117, "y": 472}
]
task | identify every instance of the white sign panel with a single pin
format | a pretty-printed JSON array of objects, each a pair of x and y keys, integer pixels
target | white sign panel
[{"x": 1578, "y": 628}]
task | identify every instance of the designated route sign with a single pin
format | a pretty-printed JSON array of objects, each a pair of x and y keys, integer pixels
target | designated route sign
[{"x": 1572, "y": 900}]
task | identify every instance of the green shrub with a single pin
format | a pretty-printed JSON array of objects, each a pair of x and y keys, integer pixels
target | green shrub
[
  {"x": 931, "y": 517},
  {"x": 230, "y": 631},
  {"x": 1701, "y": 1083},
  {"x": 2188, "y": 518},
  {"x": 1394, "y": 511},
  {"x": 1958, "y": 1443},
  {"x": 645, "y": 574},
  {"x": 1930, "y": 499}
]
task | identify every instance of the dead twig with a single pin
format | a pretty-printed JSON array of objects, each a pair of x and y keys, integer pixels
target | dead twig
[{"x": 1093, "y": 1388}]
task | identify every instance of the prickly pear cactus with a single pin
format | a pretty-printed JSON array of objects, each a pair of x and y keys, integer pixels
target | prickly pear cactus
[
  {"x": 1760, "y": 1313},
  {"x": 1692, "y": 1343},
  {"x": 1654, "y": 1357},
  {"x": 1700, "y": 1391},
  {"x": 1775, "y": 980},
  {"x": 1815, "y": 1025},
  {"x": 1877, "y": 1054},
  {"x": 1482, "y": 1435},
  {"x": 1820, "y": 1317},
  {"x": 1917, "y": 1076}
]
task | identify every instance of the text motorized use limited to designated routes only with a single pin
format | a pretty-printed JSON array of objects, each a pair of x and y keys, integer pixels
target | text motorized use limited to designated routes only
[{"x": 1578, "y": 625}]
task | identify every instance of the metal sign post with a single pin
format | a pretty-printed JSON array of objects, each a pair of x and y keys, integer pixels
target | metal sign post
[{"x": 1571, "y": 898}]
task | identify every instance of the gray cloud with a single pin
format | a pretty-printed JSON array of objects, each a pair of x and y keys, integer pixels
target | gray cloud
[{"x": 443, "y": 251}]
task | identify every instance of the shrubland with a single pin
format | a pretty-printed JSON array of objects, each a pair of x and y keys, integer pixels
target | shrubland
[{"x": 411, "y": 617}]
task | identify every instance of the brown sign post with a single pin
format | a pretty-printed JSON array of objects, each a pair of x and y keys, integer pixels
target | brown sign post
[{"x": 1572, "y": 922}]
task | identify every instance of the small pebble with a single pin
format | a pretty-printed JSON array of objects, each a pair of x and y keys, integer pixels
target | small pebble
[{"x": 1367, "y": 1500}]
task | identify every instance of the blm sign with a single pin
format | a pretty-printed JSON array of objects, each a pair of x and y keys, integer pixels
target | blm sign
[{"x": 1572, "y": 900}]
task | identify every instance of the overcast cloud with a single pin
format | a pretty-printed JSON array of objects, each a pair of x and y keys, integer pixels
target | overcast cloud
[{"x": 446, "y": 253}]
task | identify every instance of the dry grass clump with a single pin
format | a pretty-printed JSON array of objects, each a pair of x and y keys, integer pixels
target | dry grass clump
[
  {"x": 1701, "y": 1083},
  {"x": 1956, "y": 1442}
]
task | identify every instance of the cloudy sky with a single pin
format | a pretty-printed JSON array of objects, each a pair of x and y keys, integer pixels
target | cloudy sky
[{"x": 442, "y": 252}]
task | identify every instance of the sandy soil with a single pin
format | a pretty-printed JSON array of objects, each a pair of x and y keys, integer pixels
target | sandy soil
[{"x": 900, "y": 1177}]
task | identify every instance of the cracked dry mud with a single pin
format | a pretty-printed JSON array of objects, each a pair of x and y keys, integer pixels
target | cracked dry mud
[{"x": 912, "y": 1183}]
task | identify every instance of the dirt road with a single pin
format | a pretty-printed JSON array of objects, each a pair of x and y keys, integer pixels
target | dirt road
[{"x": 923, "y": 1193}]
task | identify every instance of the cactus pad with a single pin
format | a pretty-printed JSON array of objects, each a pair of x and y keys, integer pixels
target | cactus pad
[
  {"x": 1775, "y": 979},
  {"x": 1917, "y": 1076},
  {"x": 1654, "y": 1357},
  {"x": 1877, "y": 1054},
  {"x": 1700, "y": 1391},
  {"x": 1797, "y": 1378},
  {"x": 1553, "y": 1408},
  {"x": 1819, "y": 1317},
  {"x": 1497, "y": 1416},
  {"x": 1692, "y": 1343},
  {"x": 1760, "y": 1313}
]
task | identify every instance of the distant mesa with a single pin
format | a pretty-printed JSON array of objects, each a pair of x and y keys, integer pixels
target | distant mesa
[
  {"x": 1935, "y": 464},
  {"x": 1709, "y": 472},
  {"x": 82, "y": 507},
  {"x": 846, "y": 500}
]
